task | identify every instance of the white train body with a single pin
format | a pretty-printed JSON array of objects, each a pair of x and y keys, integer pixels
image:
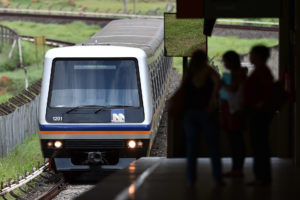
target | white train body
[{"x": 101, "y": 101}]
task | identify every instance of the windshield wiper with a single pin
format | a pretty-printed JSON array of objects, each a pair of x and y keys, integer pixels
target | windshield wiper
[
  {"x": 83, "y": 106},
  {"x": 112, "y": 107}
]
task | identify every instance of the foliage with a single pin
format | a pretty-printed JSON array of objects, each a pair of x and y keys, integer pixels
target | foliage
[{"x": 8, "y": 64}]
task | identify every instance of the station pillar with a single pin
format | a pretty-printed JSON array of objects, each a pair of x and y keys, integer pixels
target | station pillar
[{"x": 297, "y": 81}]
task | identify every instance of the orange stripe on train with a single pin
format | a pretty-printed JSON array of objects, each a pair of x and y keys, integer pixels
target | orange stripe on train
[{"x": 96, "y": 132}]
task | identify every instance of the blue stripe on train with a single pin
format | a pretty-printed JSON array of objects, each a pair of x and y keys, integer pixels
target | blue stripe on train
[{"x": 81, "y": 127}]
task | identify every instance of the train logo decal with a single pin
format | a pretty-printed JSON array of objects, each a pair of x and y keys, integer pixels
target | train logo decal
[{"x": 117, "y": 115}]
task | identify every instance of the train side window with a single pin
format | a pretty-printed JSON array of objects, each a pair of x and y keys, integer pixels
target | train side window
[
  {"x": 161, "y": 75},
  {"x": 153, "y": 87},
  {"x": 163, "y": 68},
  {"x": 155, "y": 83},
  {"x": 158, "y": 79}
]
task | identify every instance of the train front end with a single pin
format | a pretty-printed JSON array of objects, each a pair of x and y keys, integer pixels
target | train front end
[{"x": 94, "y": 108}]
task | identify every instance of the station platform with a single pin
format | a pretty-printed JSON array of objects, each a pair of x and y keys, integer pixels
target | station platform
[{"x": 165, "y": 178}]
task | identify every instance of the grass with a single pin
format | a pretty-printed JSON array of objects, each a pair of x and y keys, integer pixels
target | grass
[
  {"x": 177, "y": 64},
  {"x": 4, "y": 97},
  {"x": 6, "y": 63},
  {"x": 217, "y": 46},
  {"x": 22, "y": 158},
  {"x": 93, "y": 5},
  {"x": 183, "y": 36},
  {"x": 72, "y": 32},
  {"x": 17, "y": 78}
]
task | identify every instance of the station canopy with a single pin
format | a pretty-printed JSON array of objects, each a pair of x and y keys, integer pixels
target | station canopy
[{"x": 228, "y": 8}]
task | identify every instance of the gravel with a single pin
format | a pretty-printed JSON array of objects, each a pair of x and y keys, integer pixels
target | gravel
[{"x": 73, "y": 191}]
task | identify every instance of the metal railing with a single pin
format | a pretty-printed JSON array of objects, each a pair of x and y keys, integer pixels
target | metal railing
[{"x": 7, "y": 37}]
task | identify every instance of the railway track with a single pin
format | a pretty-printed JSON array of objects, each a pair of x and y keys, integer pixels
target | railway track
[
  {"x": 50, "y": 16},
  {"x": 24, "y": 186},
  {"x": 104, "y": 18},
  {"x": 53, "y": 191},
  {"x": 50, "y": 42},
  {"x": 247, "y": 27}
]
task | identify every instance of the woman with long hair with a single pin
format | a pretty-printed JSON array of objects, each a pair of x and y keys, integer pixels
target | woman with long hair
[{"x": 201, "y": 90}]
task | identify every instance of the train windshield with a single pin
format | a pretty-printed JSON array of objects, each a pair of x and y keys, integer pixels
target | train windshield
[{"x": 105, "y": 82}]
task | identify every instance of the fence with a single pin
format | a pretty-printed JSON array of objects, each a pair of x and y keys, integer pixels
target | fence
[
  {"x": 8, "y": 36},
  {"x": 19, "y": 118},
  {"x": 19, "y": 115}
]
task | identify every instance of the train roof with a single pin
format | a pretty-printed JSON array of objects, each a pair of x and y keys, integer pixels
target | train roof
[
  {"x": 94, "y": 51},
  {"x": 146, "y": 34}
]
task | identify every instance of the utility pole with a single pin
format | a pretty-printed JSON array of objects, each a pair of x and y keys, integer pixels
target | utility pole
[
  {"x": 21, "y": 62},
  {"x": 125, "y": 6}
]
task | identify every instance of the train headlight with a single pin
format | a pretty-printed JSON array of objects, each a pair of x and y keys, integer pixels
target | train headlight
[
  {"x": 131, "y": 144},
  {"x": 140, "y": 144},
  {"x": 50, "y": 144},
  {"x": 58, "y": 144}
]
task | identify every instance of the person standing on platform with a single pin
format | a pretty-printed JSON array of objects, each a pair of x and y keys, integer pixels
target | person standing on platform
[
  {"x": 232, "y": 118},
  {"x": 201, "y": 90},
  {"x": 257, "y": 89}
]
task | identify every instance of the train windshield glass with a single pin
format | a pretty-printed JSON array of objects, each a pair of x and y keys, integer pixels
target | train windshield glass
[{"x": 105, "y": 82}]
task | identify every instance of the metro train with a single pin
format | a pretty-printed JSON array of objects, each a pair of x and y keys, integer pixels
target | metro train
[{"x": 102, "y": 100}]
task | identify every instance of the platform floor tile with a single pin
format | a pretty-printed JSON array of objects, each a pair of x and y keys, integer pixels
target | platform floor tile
[{"x": 167, "y": 180}]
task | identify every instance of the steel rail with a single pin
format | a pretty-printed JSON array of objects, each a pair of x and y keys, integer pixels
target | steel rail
[
  {"x": 247, "y": 22},
  {"x": 107, "y": 17},
  {"x": 247, "y": 27},
  {"x": 76, "y": 13},
  {"x": 22, "y": 182},
  {"x": 53, "y": 192}
]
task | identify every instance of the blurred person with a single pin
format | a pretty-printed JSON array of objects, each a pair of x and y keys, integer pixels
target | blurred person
[
  {"x": 232, "y": 118},
  {"x": 201, "y": 85},
  {"x": 257, "y": 89}
]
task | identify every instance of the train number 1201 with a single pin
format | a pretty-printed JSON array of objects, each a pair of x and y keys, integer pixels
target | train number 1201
[{"x": 57, "y": 119}]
